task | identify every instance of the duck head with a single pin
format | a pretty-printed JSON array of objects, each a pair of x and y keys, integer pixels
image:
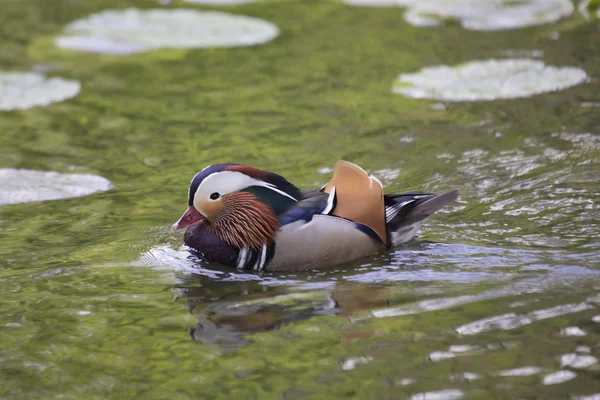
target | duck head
[{"x": 239, "y": 204}]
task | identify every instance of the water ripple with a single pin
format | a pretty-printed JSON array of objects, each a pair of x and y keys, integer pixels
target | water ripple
[{"x": 512, "y": 320}]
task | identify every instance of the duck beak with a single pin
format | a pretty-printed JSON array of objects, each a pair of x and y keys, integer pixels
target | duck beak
[{"x": 190, "y": 216}]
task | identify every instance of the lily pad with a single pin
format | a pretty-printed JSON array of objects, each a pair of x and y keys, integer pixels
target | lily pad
[
  {"x": 133, "y": 31},
  {"x": 25, "y": 185},
  {"x": 381, "y": 3},
  {"x": 590, "y": 6},
  {"x": 487, "y": 80},
  {"x": 23, "y": 90},
  {"x": 479, "y": 15},
  {"x": 221, "y": 2}
]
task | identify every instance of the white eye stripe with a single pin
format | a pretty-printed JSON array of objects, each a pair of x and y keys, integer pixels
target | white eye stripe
[
  {"x": 225, "y": 182},
  {"x": 274, "y": 188}
]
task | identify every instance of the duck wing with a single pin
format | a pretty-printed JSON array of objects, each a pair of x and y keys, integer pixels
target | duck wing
[
  {"x": 314, "y": 203},
  {"x": 406, "y": 212},
  {"x": 358, "y": 197}
]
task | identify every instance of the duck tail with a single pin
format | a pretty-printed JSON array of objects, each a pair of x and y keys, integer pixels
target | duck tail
[{"x": 406, "y": 212}]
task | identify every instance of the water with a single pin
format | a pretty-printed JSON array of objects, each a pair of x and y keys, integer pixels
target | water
[{"x": 499, "y": 297}]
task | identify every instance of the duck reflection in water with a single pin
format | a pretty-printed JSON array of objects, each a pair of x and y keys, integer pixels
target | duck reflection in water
[{"x": 233, "y": 305}]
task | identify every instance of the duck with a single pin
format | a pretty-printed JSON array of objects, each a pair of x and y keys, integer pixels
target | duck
[{"x": 251, "y": 219}]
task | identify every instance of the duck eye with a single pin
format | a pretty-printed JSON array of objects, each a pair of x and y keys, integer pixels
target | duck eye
[{"x": 215, "y": 196}]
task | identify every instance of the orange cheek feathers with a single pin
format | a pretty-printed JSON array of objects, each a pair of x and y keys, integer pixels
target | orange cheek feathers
[{"x": 210, "y": 208}]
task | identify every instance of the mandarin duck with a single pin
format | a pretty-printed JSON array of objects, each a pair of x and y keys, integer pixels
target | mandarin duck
[{"x": 251, "y": 219}]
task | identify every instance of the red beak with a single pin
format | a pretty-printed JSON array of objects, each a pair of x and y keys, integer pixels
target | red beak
[{"x": 190, "y": 216}]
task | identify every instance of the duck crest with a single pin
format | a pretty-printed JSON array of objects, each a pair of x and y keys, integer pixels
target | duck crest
[
  {"x": 200, "y": 176},
  {"x": 276, "y": 182},
  {"x": 359, "y": 198},
  {"x": 247, "y": 170}
]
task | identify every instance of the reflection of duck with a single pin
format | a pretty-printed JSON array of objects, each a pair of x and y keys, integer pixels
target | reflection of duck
[
  {"x": 354, "y": 297},
  {"x": 241, "y": 216},
  {"x": 228, "y": 310}
]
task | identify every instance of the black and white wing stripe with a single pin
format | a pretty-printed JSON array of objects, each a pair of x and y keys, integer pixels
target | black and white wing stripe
[
  {"x": 394, "y": 209},
  {"x": 403, "y": 211},
  {"x": 255, "y": 259},
  {"x": 399, "y": 206}
]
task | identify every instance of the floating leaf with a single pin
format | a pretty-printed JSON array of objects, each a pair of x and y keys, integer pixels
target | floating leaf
[
  {"x": 487, "y": 80},
  {"x": 590, "y": 6},
  {"x": 221, "y": 2},
  {"x": 133, "y": 31},
  {"x": 24, "y": 185},
  {"x": 98, "y": 45},
  {"x": 381, "y": 3},
  {"x": 22, "y": 90},
  {"x": 479, "y": 15}
]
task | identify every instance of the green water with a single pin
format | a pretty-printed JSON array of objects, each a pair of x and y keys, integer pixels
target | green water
[{"x": 88, "y": 284}]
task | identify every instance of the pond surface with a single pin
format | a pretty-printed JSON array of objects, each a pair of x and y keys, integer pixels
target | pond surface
[{"x": 498, "y": 298}]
